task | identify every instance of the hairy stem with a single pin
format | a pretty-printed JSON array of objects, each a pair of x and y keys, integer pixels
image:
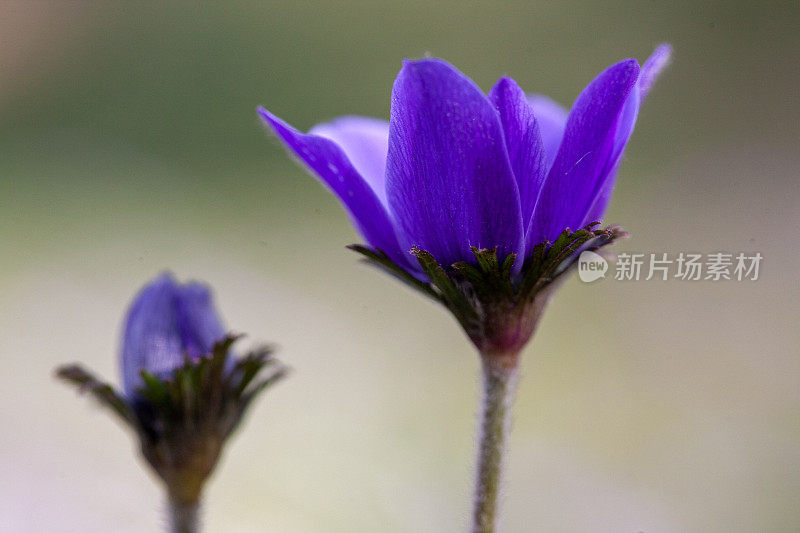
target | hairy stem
[
  {"x": 184, "y": 516},
  {"x": 499, "y": 382}
]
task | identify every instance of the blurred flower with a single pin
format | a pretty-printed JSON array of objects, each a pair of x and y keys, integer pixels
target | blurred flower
[
  {"x": 455, "y": 168},
  {"x": 185, "y": 393},
  {"x": 166, "y": 323}
]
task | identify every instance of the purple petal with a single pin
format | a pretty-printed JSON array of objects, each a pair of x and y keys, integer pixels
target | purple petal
[
  {"x": 523, "y": 141},
  {"x": 582, "y": 164},
  {"x": 198, "y": 322},
  {"x": 152, "y": 339},
  {"x": 448, "y": 178},
  {"x": 627, "y": 121},
  {"x": 652, "y": 68},
  {"x": 650, "y": 71},
  {"x": 166, "y": 322},
  {"x": 552, "y": 119},
  {"x": 365, "y": 142},
  {"x": 328, "y": 162}
]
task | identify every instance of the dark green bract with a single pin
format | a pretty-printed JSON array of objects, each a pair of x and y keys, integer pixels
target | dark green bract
[
  {"x": 182, "y": 420},
  {"x": 498, "y": 308}
]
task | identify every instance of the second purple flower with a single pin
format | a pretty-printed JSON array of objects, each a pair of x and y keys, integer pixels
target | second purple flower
[{"x": 455, "y": 168}]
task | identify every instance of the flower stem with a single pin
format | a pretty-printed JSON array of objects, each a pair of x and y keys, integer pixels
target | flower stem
[
  {"x": 184, "y": 516},
  {"x": 499, "y": 383}
]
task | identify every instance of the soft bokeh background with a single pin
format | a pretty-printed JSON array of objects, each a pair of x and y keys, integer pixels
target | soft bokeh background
[{"x": 129, "y": 144}]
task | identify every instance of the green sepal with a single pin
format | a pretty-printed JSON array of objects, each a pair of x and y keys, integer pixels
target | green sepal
[
  {"x": 183, "y": 418},
  {"x": 102, "y": 392},
  {"x": 211, "y": 391},
  {"x": 382, "y": 261},
  {"x": 452, "y": 296},
  {"x": 549, "y": 261},
  {"x": 495, "y": 305}
]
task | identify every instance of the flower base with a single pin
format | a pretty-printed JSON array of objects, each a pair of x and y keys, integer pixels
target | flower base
[
  {"x": 183, "y": 419},
  {"x": 498, "y": 308}
]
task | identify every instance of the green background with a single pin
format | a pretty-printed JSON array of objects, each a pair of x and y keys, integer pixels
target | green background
[{"x": 129, "y": 144}]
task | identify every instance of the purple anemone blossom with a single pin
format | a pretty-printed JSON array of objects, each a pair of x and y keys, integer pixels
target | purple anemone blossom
[
  {"x": 481, "y": 202},
  {"x": 455, "y": 168},
  {"x": 166, "y": 323}
]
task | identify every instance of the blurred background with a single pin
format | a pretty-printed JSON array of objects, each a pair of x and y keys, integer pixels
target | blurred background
[{"x": 129, "y": 144}]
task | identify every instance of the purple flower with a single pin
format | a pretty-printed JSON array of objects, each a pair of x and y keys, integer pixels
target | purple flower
[
  {"x": 184, "y": 390},
  {"x": 455, "y": 168},
  {"x": 166, "y": 323}
]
